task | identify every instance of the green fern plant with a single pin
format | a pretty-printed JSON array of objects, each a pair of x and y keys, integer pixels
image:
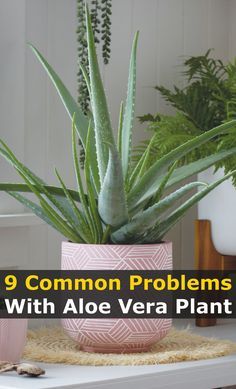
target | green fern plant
[
  {"x": 114, "y": 203},
  {"x": 169, "y": 133},
  {"x": 208, "y": 100},
  {"x": 204, "y": 100}
]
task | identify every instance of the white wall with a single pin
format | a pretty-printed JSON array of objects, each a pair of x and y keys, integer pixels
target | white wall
[{"x": 33, "y": 120}]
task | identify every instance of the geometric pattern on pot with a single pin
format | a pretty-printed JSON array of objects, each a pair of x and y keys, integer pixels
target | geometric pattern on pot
[
  {"x": 116, "y": 335},
  {"x": 116, "y": 257}
]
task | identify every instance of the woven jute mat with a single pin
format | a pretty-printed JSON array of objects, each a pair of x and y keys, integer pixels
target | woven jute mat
[{"x": 53, "y": 345}]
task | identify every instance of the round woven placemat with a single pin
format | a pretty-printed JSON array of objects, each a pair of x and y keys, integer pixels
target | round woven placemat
[{"x": 53, "y": 345}]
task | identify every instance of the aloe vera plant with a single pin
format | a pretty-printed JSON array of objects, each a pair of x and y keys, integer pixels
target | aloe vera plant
[{"x": 116, "y": 202}]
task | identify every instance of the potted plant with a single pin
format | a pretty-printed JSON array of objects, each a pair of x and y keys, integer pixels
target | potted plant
[
  {"x": 118, "y": 216},
  {"x": 207, "y": 100}
]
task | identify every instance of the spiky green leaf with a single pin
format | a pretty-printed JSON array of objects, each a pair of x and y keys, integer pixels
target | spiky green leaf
[
  {"x": 37, "y": 187},
  {"x": 58, "y": 221},
  {"x": 142, "y": 222},
  {"x": 119, "y": 133},
  {"x": 78, "y": 175},
  {"x": 91, "y": 194},
  {"x": 35, "y": 208},
  {"x": 163, "y": 184},
  {"x": 72, "y": 108},
  {"x": 102, "y": 122},
  {"x": 54, "y": 190},
  {"x": 79, "y": 222},
  {"x": 141, "y": 164},
  {"x": 187, "y": 171},
  {"x": 86, "y": 78},
  {"x": 164, "y": 226},
  {"x": 127, "y": 124},
  {"x": 147, "y": 185},
  {"x": 112, "y": 200}
]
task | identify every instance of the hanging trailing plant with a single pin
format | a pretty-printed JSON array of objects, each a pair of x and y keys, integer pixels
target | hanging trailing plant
[
  {"x": 106, "y": 30},
  {"x": 95, "y": 19},
  {"x": 101, "y": 11}
]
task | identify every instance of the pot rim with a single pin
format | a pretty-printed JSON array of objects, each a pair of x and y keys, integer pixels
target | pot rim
[{"x": 165, "y": 242}]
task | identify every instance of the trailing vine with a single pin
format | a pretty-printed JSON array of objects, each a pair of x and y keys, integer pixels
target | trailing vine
[
  {"x": 106, "y": 30},
  {"x": 83, "y": 96},
  {"x": 101, "y": 11},
  {"x": 95, "y": 10}
]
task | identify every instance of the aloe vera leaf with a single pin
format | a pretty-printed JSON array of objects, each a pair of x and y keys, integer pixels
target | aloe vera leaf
[
  {"x": 112, "y": 205},
  {"x": 36, "y": 209},
  {"x": 119, "y": 134},
  {"x": 32, "y": 179},
  {"x": 56, "y": 193},
  {"x": 86, "y": 77},
  {"x": 156, "y": 197},
  {"x": 66, "y": 97},
  {"x": 163, "y": 227},
  {"x": 92, "y": 199},
  {"x": 147, "y": 185},
  {"x": 143, "y": 221},
  {"x": 54, "y": 190},
  {"x": 56, "y": 219},
  {"x": 187, "y": 171},
  {"x": 163, "y": 184},
  {"x": 126, "y": 133},
  {"x": 196, "y": 167},
  {"x": 102, "y": 123},
  {"x": 142, "y": 163},
  {"x": 80, "y": 224},
  {"x": 78, "y": 175},
  {"x": 72, "y": 108}
]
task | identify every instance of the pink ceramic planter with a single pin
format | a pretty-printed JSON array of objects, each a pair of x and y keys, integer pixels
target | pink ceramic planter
[
  {"x": 12, "y": 339},
  {"x": 116, "y": 335}
]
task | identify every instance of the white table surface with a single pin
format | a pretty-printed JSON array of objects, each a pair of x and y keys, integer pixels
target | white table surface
[{"x": 207, "y": 374}]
